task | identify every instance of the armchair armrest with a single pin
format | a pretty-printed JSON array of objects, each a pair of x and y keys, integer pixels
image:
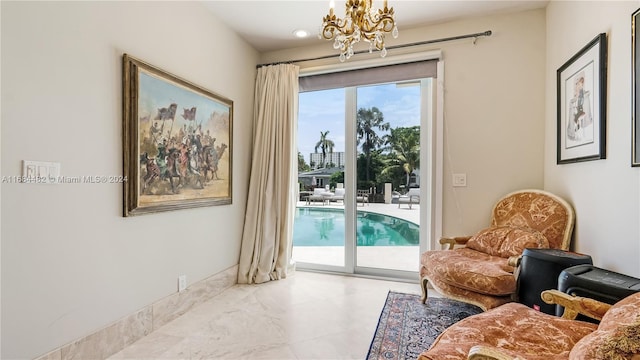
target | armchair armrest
[
  {"x": 574, "y": 305},
  {"x": 514, "y": 260},
  {"x": 482, "y": 352},
  {"x": 451, "y": 242}
]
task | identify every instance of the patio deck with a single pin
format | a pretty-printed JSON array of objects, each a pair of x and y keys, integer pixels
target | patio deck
[{"x": 405, "y": 258}]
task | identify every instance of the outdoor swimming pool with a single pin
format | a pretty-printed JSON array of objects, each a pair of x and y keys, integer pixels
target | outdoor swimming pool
[{"x": 325, "y": 227}]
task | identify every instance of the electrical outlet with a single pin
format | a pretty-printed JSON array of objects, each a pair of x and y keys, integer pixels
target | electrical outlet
[
  {"x": 182, "y": 283},
  {"x": 459, "y": 180}
]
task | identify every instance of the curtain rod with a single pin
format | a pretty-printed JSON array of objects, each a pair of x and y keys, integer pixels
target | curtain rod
[{"x": 476, "y": 35}]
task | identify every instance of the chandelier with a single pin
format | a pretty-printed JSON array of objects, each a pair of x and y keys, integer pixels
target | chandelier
[{"x": 361, "y": 22}]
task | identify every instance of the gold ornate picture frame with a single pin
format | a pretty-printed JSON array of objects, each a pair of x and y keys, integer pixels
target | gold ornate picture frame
[{"x": 177, "y": 140}]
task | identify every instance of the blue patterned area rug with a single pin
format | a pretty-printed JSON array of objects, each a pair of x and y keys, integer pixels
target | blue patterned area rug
[{"x": 407, "y": 327}]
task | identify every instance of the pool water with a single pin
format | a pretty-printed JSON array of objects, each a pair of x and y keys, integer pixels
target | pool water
[{"x": 325, "y": 227}]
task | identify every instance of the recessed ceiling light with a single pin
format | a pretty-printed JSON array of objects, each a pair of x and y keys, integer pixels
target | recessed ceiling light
[{"x": 300, "y": 33}]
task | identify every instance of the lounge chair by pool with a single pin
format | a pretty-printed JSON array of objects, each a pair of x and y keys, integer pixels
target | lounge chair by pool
[
  {"x": 338, "y": 195},
  {"x": 319, "y": 194},
  {"x": 411, "y": 197}
]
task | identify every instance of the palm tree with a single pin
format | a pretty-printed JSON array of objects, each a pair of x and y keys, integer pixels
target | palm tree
[
  {"x": 368, "y": 121},
  {"x": 325, "y": 145},
  {"x": 302, "y": 165},
  {"x": 404, "y": 143}
]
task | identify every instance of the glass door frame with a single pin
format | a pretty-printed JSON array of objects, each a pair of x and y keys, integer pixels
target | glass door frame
[
  {"x": 431, "y": 154},
  {"x": 427, "y": 114}
]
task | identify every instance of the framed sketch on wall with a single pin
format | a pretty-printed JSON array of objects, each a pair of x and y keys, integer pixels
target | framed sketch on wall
[
  {"x": 177, "y": 142},
  {"x": 581, "y": 104},
  {"x": 635, "y": 88}
]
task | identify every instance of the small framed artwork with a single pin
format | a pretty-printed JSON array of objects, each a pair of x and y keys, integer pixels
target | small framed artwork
[
  {"x": 581, "y": 102},
  {"x": 177, "y": 140},
  {"x": 635, "y": 88}
]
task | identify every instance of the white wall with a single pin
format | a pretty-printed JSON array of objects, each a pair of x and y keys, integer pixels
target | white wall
[
  {"x": 494, "y": 109},
  {"x": 71, "y": 263},
  {"x": 0, "y": 203},
  {"x": 605, "y": 193}
]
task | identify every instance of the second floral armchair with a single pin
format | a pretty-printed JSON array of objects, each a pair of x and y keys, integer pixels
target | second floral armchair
[{"x": 482, "y": 271}]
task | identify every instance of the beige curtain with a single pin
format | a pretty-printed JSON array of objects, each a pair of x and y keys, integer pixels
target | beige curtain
[{"x": 268, "y": 223}]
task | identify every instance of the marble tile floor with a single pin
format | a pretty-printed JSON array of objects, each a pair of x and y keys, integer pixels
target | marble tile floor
[{"x": 306, "y": 316}]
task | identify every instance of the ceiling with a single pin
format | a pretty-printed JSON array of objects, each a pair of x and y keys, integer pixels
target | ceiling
[{"x": 269, "y": 25}]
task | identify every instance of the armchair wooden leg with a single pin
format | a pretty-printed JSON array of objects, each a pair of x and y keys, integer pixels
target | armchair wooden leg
[{"x": 423, "y": 285}]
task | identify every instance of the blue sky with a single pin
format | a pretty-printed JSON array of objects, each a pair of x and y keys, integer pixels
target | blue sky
[
  {"x": 157, "y": 93},
  {"x": 320, "y": 111}
]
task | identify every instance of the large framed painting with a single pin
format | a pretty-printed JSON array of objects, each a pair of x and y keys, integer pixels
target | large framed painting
[
  {"x": 177, "y": 141},
  {"x": 635, "y": 89},
  {"x": 581, "y": 102}
]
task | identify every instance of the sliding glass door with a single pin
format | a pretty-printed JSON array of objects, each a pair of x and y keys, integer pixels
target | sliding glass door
[
  {"x": 388, "y": 164},
  {"x": 319, "y": 225},
  {"x": 360, "y": 152}
]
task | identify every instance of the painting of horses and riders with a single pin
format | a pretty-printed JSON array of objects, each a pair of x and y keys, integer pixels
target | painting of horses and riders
[{"x": 180, "y": 156}]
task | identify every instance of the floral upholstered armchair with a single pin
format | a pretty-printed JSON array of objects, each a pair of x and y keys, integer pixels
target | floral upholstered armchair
[
  {"x": 516, "y": 332},
  {"x": 482, "y": 271}
]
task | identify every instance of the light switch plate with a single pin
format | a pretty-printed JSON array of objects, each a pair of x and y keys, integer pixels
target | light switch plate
[{"x": 40, "y": 172}]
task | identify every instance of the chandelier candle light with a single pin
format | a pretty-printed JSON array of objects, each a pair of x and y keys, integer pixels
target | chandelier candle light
[{"x": 361, "y": 22}]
